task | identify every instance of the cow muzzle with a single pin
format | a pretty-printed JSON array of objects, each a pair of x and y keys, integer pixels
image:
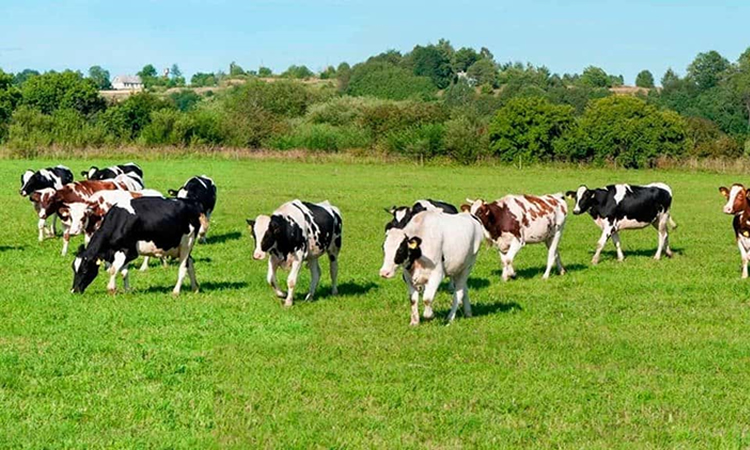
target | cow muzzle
[
  {"x": 576, "y": 210},
  {"x": 728, "y": 209},
  {"x": 258, "y": 255},
  {"x": 387, "y": 273}
]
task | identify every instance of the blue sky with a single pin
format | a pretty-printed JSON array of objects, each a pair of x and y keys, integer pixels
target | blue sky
[{"x": 122, "y": 36}]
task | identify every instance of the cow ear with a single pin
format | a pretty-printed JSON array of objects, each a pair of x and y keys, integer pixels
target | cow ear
[
  {"x": 250, "y": 223},
  {"x": 724, "y": 191},
  {"x": 35, "y": 197},
  {"x": 391, "y": 210},
  {"x": 414, "y": 243},
  {"x": 465, "y": 208},
  {"x": 570, "y": 194},
  {"x": 172, "y": 192}
]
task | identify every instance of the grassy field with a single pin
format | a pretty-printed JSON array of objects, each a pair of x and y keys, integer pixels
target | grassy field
[{"x": 638, "y": 354}]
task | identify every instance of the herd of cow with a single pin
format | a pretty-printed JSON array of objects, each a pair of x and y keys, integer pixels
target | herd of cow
[{"x": 430, "y": 240}]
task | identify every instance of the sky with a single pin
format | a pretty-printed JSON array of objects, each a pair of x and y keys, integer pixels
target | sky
[{"x": 205, "y": 36}]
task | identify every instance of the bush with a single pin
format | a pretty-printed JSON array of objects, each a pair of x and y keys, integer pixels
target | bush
[
  {"x": 322, "y": 137},
  {"x": 705, "y": 139},
  {"x": 381, "y": 118},
  {"x": 126, "y": 120},
  {"x": 384, "y": 80},
  {"x": 185, "y": 99},
  {"x": 425, "y": 140},
  {"x": 466, "y": 139},
  {"x": 285, "y": 98},
  {"x": 64, "y": 90},
  {"x": 628, "y": 131},
  {"x": 527, "y": 128}
]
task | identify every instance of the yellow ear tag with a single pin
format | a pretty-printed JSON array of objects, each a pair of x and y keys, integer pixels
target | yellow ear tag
[
  {"x": 98, "y": 262},
  {"x": 413, "y": 245},
  {"x": 746, "y": 233}
]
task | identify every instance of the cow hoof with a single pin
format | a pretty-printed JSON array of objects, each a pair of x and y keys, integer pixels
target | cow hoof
[
  {"x": 111, "y": 291},
  {"x": 197, "y": 289},
  {"x": 563, "y": 272},
  {"x": 334, "y": 291},
  {"x": 414, "y": 323},
  {"x": 657, "y": 258},
  {"x": 281, "y": 294},
  {"x": 594, "y": 261},
  {"x": 175, "y": 293},
  {"x": 428, "y": 317},
  {"x": 468, "y": 315},
  {"x": 545, "y": 276},
  {"x": 308, "y": 298}
]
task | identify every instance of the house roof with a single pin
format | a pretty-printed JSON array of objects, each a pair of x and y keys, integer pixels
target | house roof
[{"x": 127, "y": 79}]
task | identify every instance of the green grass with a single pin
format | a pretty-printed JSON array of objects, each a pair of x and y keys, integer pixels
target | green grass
[{"x": 638, "y": 354}]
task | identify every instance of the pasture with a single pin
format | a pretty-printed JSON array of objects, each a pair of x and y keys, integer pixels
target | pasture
[{"x": 641, "y": 353}]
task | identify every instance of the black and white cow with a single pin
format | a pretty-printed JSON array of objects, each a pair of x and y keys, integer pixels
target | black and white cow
[
  {"x": 149, "y": 226},
  {"x": 203, "y": 190},
  {"x": 623, "y": 206},
  {"x": 430, "y": 247},
  {"x": 402, "y": 214},
  {"x": 297, "y": 232},
  {"x": 51, "y": 179},
  {"x": 130, "y": 170}
]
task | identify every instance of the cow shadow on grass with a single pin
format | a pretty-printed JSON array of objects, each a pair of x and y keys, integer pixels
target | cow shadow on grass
[
  {"x": 480, "y": 309},
  {"x": 207, "y": 286},
  {"x": 346, "y": 289},
  {"x": 9, "y": 248},
  {"x": 639, "y": 252},
  {"x": 221, "y": 238},
  {"x": 474, "y": 284},
  {"x": 538, "y": 271}
]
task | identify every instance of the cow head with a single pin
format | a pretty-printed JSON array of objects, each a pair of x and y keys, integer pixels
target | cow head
[
  {"x": 274, "y": 232},
  {"x": 475, "y": 207},
  {"x": 47, "y": 201},
  {"x": 89, "y": 174},
  {"x": 736, "y": 197},
  {"x": 25, "y": 178},
  {"x": 584, "y": 198},
  {"x": 399, "y": 249},
  {"x": 75, "y": 215},
  {"x": 85, "y": 270},
  {"x": 399, "y": 213}
]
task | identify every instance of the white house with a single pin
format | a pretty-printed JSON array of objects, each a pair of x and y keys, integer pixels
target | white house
[{"x": 127, "y": 83}]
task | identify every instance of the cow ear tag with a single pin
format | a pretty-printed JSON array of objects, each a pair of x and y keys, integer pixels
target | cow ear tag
[
  {"x": 98, "y": 262},
  {"x": 413, "y": 244},
  {"x": 746, "y": 233}
]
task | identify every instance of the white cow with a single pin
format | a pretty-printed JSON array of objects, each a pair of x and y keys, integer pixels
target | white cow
[{"x": 431, "y": 246}]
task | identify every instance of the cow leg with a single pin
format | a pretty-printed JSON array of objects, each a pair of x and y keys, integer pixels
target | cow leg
[
  {"x": 125, "y": 278},
  {"x": 334, "y": 260},
  {"x": 314, "y": 278},
  {"x": 606, "y": 232},
  {"x": 191, "y": 274},
  {"x": 662, "y": 228},
  {"x": 144, "y": 266},
  {"x": 413, "y": 299},
  {"x": 291, "y": 280},
  {"x": 507, "y": 258},
  {"x": 618, "y": 246},
  {"x": 273, "y": 264},
  {"x": 430, "y": 290},
  {"x": 744, "y": 256},
  {"x": 552, "y": 255},
  {"x": 118, "y": 264},
  {"x": 66, "y": 241},
  {"x": 53, "y": 226},
  {"x": 181, "y": 274},
  {"x": 40, "y": 225},
  {"x": 461, "y": 295}
]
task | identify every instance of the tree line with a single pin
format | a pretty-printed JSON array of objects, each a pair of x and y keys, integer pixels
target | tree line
[{"x": 433, "y": 101}]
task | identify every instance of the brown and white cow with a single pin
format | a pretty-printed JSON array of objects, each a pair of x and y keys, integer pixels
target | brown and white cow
[
  {"x": 72, "y": 200},
  {"x": 737, "y": 205},
  {"x": 516, "y": 220}
]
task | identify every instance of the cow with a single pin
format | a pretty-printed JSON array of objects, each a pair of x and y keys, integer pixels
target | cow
[
  {"x": 738, "y": 206},
  {"x": 430, "y": 247},
  {"x": 130, "y": 170},
  {"x": 72, "y": 201},
  {"x": 203, "y": 190},
  {"x": 516, "y": 220},
  {"x": 402, "y": 214},
  {"x": 625, "y": 207},
  {"x": 49, "y": 179},
  {"x": 297, "y": 232},
  {"x": 149, "y": 226}
]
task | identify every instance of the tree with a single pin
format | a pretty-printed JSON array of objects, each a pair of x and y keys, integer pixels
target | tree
[
  {"x": 235, "y": 70},
  {"x": 644, "y": 79},
  {"x": 484, "y": 72},
  {"x": 148, "y": 75},
  {"x": 464, "y": 58},
  {"x": 343, "y": 73},
  {"x": 433, "y": 62},
  {"x": 707, "y": 68},
  {"x": 527, "y": 128},
  {"x": 594, "y": 77},
  {"x": 485, "y": 53},
  {"x": 204, "y": 79},
  {"x": 328, "y": 73},
  {"x": 175, "y": 71},
  {"x": 265, "y": 72},
  {"x": 384, "y": 80},
  {"x": 100, "y": 77},
  {"x": 739, "y": 82},
  {"x": 299, "y": 72},
  {"x": 21, "y": 77},
  {"x": 65, "y": 90}
]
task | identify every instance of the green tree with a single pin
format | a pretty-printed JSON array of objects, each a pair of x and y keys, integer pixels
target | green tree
[
  {"x": 64, "y": 90},
  {"x": 149, "y": 76},
  {"x": 235, "y": 70},
  {"x": 432, "y": 62},
  {"x": 707, "y": 68},
  {"x": 739, "y": 82},
  {"x": 343, "y": 73},
  {"x": 484, "y": 71},
  {"x": 384, "y": 80},
  {"x": 670, "y": 79},
  {"x": 265, "y": 72},
  {"x": 21, "y": 77},
  {"x": 644, "y": 79},
  {"x": 464, "y": 58},
  {"x": 100, "y": 77},
  {"x": 594, "y": 77},
  {"x": 328, "y": 73},
  {"x": 299, "y": 72},
  {"x": 200, "y": 79},
  {"x": 527, "y": 128}
]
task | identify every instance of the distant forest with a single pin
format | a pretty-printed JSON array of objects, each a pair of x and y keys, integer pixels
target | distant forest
[{"x": 434, "y": 101}]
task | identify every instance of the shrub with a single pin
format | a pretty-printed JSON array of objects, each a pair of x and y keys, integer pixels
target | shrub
[
  {"x": 384, "y": 80},
  {"x": 705, "y": 139},
  {"x": 466, "y": 139},
  {"x": 322, "y": 137},
  {"x": 527, "y": 128},
  {"x": 64, "y": 90},
  {"x": 185, "y": 99},
  {"x": 126, "y": 120},
  {"x": 425, "y": 140},
  {"x": 381, "y": 118},
  {"x": 285, "y": 98}
]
